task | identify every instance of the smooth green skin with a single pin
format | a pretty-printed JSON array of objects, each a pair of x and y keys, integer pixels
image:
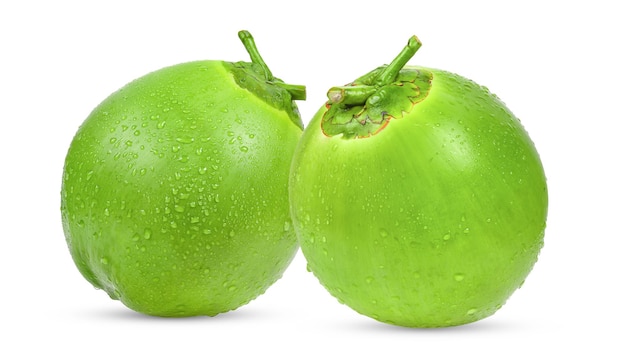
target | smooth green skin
[
  {"x": 434, "y": 221},
  {"x": 174, "y": 196}
]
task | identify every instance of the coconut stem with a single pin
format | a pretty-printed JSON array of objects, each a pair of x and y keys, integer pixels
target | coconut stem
[
  {"x": 255, "y": 56},
  {"x": 358, "y": 94},
  {"x": 350, "y": 95},
  {"x": 391, "y": 71},
  {"x": 297, "y": 92}
]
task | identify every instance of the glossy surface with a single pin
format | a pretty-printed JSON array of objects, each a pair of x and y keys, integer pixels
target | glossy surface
[
  {"x": 435, "y": 220},
  {"x": 174, "y": 196}
]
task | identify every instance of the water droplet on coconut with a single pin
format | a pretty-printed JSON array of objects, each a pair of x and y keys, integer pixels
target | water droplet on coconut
[{"x": 185, "y": 140}]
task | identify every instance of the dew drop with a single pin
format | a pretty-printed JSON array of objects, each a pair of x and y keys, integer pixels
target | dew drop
[
  {"x": 147, "y": 233},
  {"x": 244, "y": 149},
  {"x": 447, "y": 237},
  {"x": 104, "y": 261},
  {"x": 459, "y": 277},
  {"x": 232, "y": 233},
  {"x": 384, "y": 233},
  {"x": 471, "y": 311},
  {"x": 185, "y": 140}
]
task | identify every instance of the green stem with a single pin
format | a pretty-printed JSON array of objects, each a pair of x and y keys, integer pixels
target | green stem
[
  {"x": 297, "y": 92},
  {"x": 255, "y": 56},
  {"x": 390, "y": 73},
  {"x": 358, "y": 94},
  {"x": 350, "y": 95}
]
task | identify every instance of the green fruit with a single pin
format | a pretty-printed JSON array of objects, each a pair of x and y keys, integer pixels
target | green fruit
[
  {"x": 174, "y": 195},
  {"x": 418, "y": 197}
]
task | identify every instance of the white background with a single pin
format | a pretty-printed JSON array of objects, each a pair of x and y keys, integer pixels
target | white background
[{"x": 559, "y": 65}]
